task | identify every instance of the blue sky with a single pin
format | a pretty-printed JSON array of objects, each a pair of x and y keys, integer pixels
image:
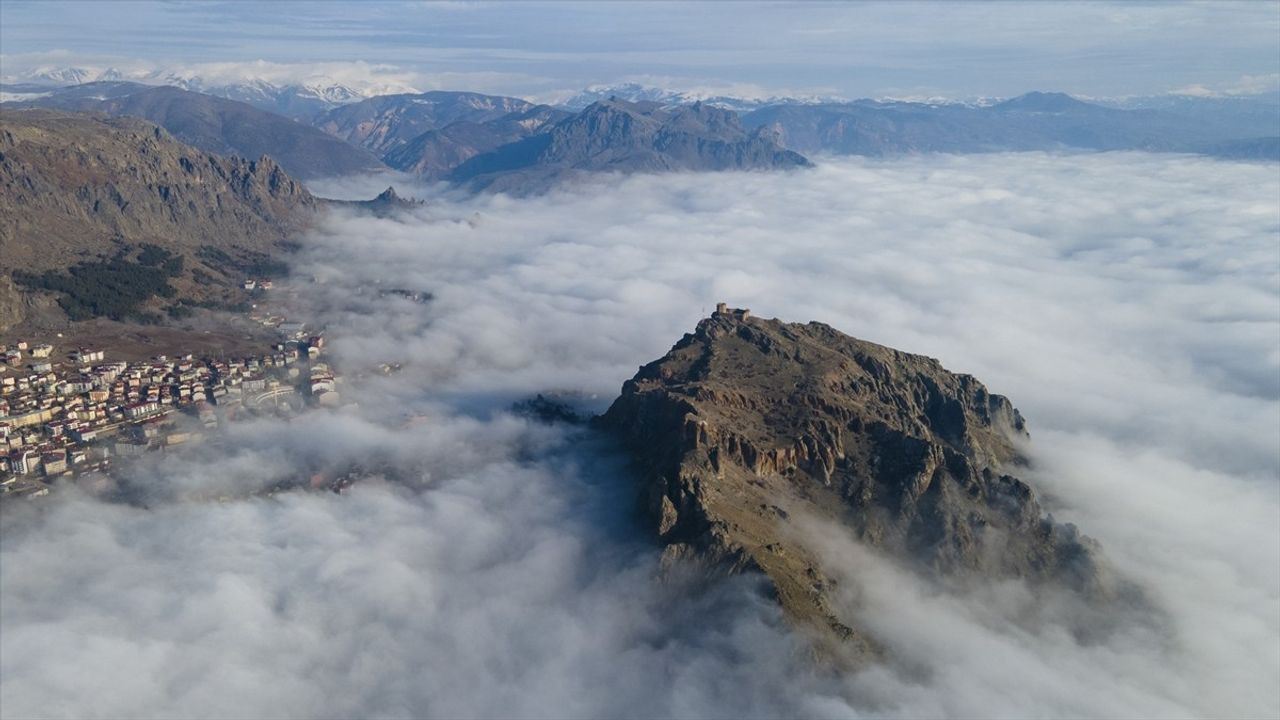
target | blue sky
[{"x": 529, "y": 48}]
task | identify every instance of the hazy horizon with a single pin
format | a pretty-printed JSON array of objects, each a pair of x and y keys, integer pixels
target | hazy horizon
[{"x": 543, "y": 50}]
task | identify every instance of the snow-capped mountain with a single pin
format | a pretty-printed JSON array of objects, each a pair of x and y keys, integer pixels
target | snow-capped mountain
[
  {"x": 939, "y": 100},
  {"x": 635, "y": 92},
  {"x": 59, "y": 76},
  {"x": 299, "y": 100}
]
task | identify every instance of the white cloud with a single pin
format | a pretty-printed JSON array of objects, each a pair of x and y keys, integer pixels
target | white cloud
[
  {"x": 861, "y": 49},
  {"x": 1245, "y": 86},
  {"x": 966, "y": 259},
  {"x": 1129, "y": 304},
  {"x": 1255, "y": 84}
]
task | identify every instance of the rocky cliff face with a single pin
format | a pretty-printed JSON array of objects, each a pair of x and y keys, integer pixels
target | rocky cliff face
[
  {"x": 748, "y": 425},
  {"x": 77, "y": 187}
]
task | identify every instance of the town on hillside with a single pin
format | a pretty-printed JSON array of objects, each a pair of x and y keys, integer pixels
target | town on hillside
[{"x": 67, "y": 412}]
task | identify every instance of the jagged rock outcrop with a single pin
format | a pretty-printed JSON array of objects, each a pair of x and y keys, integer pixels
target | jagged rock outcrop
[
  {"x": 748, "y": 425},
  {"x": 385, "y": 204}
]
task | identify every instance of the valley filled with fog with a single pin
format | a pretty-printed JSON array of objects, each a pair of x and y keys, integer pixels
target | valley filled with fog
[{"x": 1127, "y": 303}]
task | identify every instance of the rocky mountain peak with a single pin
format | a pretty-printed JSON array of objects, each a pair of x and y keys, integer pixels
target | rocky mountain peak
[
  {"x": 748, "y": 426},
  {"x": 387, "y": 203}
]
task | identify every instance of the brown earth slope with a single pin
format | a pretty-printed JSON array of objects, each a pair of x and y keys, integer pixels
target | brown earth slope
[
  {"x": 748, "y": 426},
  {"x": 77, "y": 187}
]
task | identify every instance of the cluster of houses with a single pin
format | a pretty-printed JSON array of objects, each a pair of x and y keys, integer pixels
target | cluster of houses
[{"x": 64, "y": 418}]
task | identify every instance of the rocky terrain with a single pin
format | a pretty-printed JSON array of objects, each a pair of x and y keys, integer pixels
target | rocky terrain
[
  {"x": 749, "y": 427},
  {"x": 217, "y": 125},
  {"x": 79, "y": 188}
]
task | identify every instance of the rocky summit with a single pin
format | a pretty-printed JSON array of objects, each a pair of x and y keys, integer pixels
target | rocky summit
[{"x": 748, "y": 427}]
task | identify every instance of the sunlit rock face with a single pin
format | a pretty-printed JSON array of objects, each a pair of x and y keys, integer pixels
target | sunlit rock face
[{"x": 749, "y": 422}]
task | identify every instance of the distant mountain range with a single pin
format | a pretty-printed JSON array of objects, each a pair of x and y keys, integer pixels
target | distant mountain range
[
  {"x": 466, "y": 137},
  {"x": 620, "y": 136},
  {"x": 382, "y": 124},
  {"x": 214, "y": 124},
  {"x": 1035, "y": 121},
  {"x": 298, "y": 100},
  {"x": 512, "y": 144},
  {"x": 634, "y": 92}
]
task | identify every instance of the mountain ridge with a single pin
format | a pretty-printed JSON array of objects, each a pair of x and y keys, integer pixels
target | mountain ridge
[
  {"x": 98, "y": 190},
  {"x": 1035, "y": 121},
  {"x": 383, "y": 123},
  {"x": 217, "y": 125},
  {"x": 620, "y": 136}
]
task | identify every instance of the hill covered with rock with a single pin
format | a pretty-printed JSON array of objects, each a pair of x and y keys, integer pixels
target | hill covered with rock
[
  {"x": 81, "y": 192},
  {"x": 749, "y": 427}
]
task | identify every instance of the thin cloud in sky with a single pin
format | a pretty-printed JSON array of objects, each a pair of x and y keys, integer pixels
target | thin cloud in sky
[{"x": 859, "y": 49}]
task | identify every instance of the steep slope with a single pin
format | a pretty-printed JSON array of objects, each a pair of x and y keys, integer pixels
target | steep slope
[
  {"x": 218, "y": 125},
  {"x": 85, "y": 188},
  {"x": 384, "y": 123},
  {"x": 749, "y": 426},
  {"x": 620, "y": 136}
]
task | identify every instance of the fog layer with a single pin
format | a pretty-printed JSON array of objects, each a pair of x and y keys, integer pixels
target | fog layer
[{"x": 1128, "y": 304}]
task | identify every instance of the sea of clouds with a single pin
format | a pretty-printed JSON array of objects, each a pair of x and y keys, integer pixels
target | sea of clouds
[{"x": 1129, "y": 305}]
